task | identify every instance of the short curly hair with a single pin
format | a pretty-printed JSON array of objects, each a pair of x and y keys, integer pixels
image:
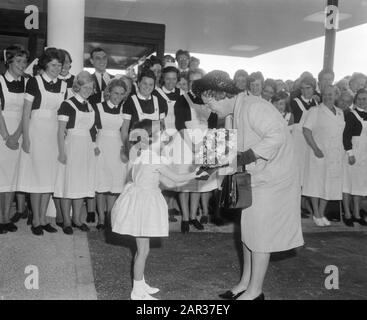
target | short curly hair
[
  {"x": 113, "y": 83},
  {"x": 81, "y": 79},
  {"x": 14, "y": 51},
  {"x": 48, "y": 55}
]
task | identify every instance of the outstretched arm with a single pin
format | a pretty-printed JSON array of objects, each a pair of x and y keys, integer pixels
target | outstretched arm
[{"x": 170, "y": 174}]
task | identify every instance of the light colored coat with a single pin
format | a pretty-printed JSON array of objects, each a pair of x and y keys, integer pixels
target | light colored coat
[{"x": 273, "y": 222}]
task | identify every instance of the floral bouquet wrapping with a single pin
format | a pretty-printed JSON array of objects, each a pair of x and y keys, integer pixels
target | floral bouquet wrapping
[{"x": 216, "y": 149}]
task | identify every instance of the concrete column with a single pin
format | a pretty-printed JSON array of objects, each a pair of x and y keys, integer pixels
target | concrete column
[
  {"x": 65, "y": 29},
  {"x": 331, "y": 25}
]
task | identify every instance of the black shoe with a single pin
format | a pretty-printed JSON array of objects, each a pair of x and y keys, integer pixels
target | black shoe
[
  {"x": 24, "y": 214},
  {"x": 171, "y": 218},
  {"x": 229, "y": 295},
  {"x": 196, "y": 224},
  {"x": 100, "y": 226},
  {"x": 204, "y": 219},
  {"x": 60, "y": 224},
  {"x": 348, "y": 222},
  {"x": 11, "y": 227},
  {"x": 68, "y": 230},
  {"x": 185, "y": 227},
  {"x": 91, "y": 217},
  {"x": 2, "y": 229},
  {"x": 260, "y": 297},
  {"x": 49, "y": 228},
  {"x": 37, "y": 231},
  {"x": 304, "y": 215},
  {"x": 361, "y": 221},
  {"x": 16, "y": 217},
  {"x": 82, "y": 227}
]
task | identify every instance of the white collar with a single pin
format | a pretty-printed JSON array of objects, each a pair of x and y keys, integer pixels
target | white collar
[
  {"x": 111, "y": 105},
  {"x": 80, "y": 98},
  {"x": 48, "y": 79},
  {"x": 10, "y": 78},
  {"x": 361, "y": 110},
  {"x": 184, "y": 70},
  {"x": 165, "y": 90},
  {"x": 68, "y": 76},
  {"x": 141, "y": 97}
]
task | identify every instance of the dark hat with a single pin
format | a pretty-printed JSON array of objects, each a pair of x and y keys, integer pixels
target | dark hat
[{"x": 215, "y": 80}]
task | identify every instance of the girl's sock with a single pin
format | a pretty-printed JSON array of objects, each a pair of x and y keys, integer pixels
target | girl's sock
[{"x": 139, "y": 288}]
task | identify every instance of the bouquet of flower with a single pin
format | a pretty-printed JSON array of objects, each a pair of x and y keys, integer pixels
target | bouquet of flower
[{"x": 215, "y": 150}]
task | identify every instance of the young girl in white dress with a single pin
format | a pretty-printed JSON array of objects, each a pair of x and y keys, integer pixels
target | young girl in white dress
[{"x": 141, "y": 210}]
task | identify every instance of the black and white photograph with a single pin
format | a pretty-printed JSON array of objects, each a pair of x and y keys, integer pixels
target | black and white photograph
[{"x": 197, "y": 151}]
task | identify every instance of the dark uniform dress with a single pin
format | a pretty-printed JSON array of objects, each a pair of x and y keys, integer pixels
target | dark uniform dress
[
  {"x": 11, "y": 104},
  {"x": 36, "y": 170},
  {"x": 76, "y": 178},
  {"x": 136, "y": 108},
  {"x": 355, "y": 144},
  {"x": 299, "y": 109}
]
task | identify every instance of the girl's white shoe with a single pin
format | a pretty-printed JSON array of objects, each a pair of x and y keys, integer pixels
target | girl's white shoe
[
  {"x": 319, "y": 222},
  {"x": 144, "y": 296},
  {"x": 149, "y": 289},
  {"x": 326, "y": 221}
]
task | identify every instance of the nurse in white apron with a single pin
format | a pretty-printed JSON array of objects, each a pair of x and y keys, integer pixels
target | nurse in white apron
[
  {"x": 323, "y": 129},
  {"x": 192, "y": 119},
  {"x": 299, "y": 108},
  {"x": 111, "y": 172},
  {"x": 37, "y": 164},
  {"x": 77, "y": 152},
  {"x": 12, "y": 87},
  {"x": 170, "y": 94},
  {"x": 139, "y": 106},
  {"x": 355, "y": 164},
  {"x": 66, "y": 76}
]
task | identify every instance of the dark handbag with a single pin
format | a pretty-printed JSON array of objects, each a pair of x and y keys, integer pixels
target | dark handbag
[{"x": 236, "y": 191}]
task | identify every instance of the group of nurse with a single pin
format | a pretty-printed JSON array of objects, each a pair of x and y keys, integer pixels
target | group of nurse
[
  {"x": 56, "y": 143},
  {"x": 331, "y": 149}
]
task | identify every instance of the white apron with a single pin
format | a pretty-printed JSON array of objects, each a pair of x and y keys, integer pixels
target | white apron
[
  {"x": 169, "y": 120},
  {"x": 37, "y": 170},
  {"x": 355, "y": 176},
  {"x": 150, "y": 116},
  {"x": 323, "y": 177},
  {"x": 76, "y": 179},
  {"x": 196, "y": 129},
  {"x": 110, "y": 170},
  {"x": 300, "y": 144},
  {"x": 12, "y": 113}
]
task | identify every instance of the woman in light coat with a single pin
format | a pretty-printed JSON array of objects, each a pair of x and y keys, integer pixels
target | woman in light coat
[{"x": 265, "y": 146}]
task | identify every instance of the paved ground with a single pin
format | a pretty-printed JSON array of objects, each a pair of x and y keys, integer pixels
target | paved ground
[
  {"x": 201, "y": 265},
  {"x": 63, "y": 266},
  {"x": 198, "y": 265}
]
